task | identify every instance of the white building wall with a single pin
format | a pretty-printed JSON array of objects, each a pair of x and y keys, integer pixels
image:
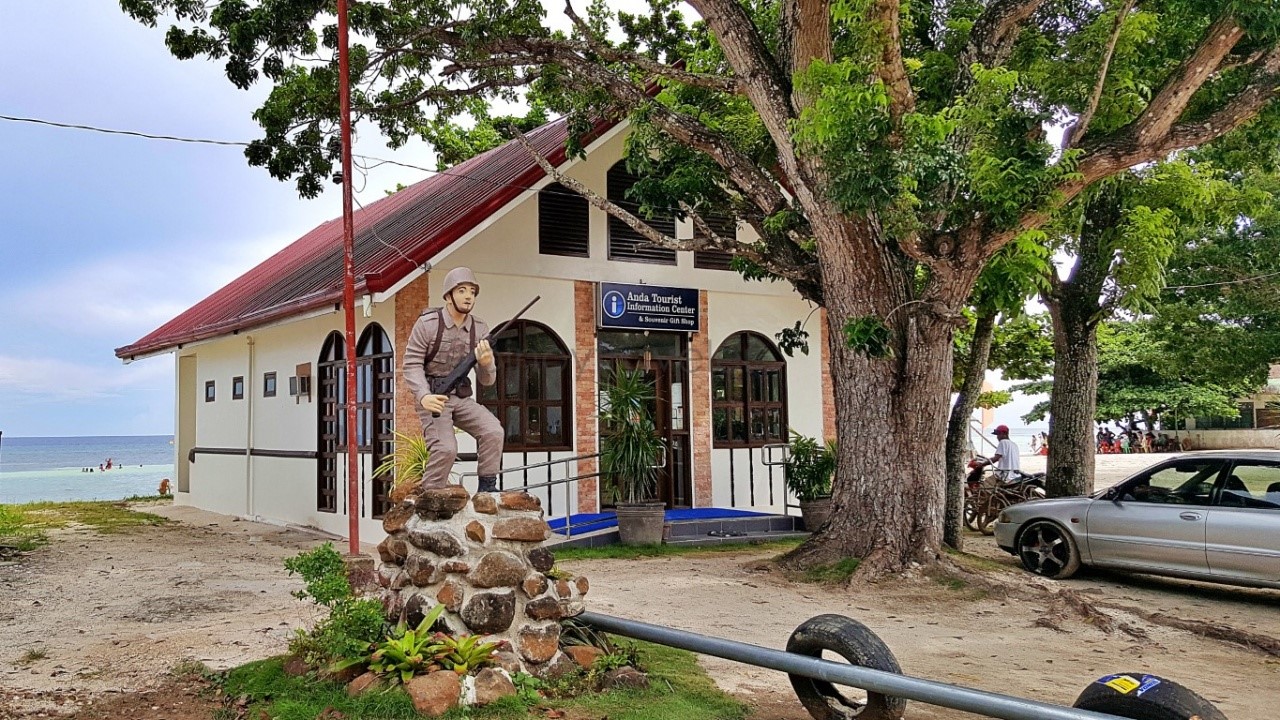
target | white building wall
[{"x": 504, "y": 254}]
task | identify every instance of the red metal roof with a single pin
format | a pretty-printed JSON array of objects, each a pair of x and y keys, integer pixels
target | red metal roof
[{"x": 417, "y": 222}]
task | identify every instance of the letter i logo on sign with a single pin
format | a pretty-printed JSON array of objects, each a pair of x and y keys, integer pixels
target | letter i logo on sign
[{"x": 614, "y": 304}]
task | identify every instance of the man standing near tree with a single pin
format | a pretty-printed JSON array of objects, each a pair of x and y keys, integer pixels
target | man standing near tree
[
  {"x": 1007, "y": 459},
  {"x": 441, "y": 338}
]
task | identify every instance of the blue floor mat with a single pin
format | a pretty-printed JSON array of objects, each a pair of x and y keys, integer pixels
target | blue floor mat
[{"x": 590, "y": 522}]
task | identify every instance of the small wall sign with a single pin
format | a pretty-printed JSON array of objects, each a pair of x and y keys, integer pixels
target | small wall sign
[{"x": 647, "y": 307}]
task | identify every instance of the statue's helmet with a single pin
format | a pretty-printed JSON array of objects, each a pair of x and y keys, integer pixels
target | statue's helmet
[{"x": 459, "y": 276}]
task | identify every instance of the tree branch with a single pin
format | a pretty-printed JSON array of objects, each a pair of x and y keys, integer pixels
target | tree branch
[
  {"x": 804, "y": 35},
  {"x": 741, "y": 169},
  {"x": 892, "y": 70},
  {"x": 655, "y": 238},
  {"x": 1242, "y": 108},
  {"x": 648, "y": 65},
  {"x": 1077, "y": 130},
  {"x": 1169, "y": 103},
  {"x": 766, "y": 86},
  {"x": 992, "y": 37}
]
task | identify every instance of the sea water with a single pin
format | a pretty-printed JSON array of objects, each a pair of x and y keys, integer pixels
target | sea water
[{"x": 57, "y": 468}]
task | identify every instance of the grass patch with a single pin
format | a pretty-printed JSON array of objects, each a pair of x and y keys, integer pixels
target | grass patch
[
  {"x": 15, "y": 534},
  {"x": 679, "y": 690},
  {"x": 633, "y": 552},
  {"x": 24, "y": 526},
  {"x": 831, "y": 573},
  {"x": 973, "y": 562},
  {"x": 32, "y": 655}
]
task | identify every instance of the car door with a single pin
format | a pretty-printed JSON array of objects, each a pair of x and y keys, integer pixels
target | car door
[
  {"x": 1242, "y": 537},
  {"x": 1156, "y": 520}
]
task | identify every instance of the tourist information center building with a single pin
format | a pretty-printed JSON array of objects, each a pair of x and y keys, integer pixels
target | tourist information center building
[{"x": 260, "y": 414}]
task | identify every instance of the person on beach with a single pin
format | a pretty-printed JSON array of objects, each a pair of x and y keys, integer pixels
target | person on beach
[
  {"x": 441, "y": 338},
  {"x": 1007, "y": 460}
]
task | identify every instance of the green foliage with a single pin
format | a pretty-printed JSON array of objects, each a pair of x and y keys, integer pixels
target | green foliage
[
  {"x": 324, "y": 573},
  {"x": 793, "y": 338},
  {"x": 810, "y": 467},
  {"x": 680, "y": 690},
  {"x": 869, "y": 336},
  {"x": 466, "y": 653},
  {"x": 407, "y": 651},
  {"x": 630, "y": 449},
  {"x": 528, "y": 687},
  {"x": 409, "y": 460},
  {"x": 994, "y": 399},
  {"x": 352, "y": 624}
]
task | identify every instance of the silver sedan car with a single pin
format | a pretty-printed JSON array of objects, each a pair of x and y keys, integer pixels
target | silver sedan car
[{"x": 1211, "y": 516}]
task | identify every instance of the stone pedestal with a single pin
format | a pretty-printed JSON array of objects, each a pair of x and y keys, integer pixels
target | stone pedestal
[{"x": 482, "y": 558}]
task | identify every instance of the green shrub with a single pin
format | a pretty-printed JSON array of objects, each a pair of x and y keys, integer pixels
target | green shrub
[
  {"x": 353, "y": 623},
  {"x": 324, "y": 573}
]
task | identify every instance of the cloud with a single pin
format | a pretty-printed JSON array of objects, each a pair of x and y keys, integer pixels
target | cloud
[
  {"x": 123, "y": 296},
  {"x": 25, "y": 380}
]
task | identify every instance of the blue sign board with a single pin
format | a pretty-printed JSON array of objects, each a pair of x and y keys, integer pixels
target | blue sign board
[{"x": 648, "y": 307}]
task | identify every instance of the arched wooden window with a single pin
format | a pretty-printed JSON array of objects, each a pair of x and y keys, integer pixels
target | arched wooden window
[
  {"x": 562, "y": 222},
  {"x": 533, "y": 397},
  {"x": 748, "y": 392},
  {"x": 625, "y": 243},
  {"x": 375, "y": 407},
  {"x": 331, "y": 426}
]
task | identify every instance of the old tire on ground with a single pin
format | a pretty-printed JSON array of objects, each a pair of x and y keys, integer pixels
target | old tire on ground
[
  {"x": 1145, "y": 697},
  {"x": 1046, "y": 548},
  {"x": 857, "y": 644}
]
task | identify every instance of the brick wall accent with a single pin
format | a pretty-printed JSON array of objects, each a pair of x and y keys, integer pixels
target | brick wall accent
[
  {"x": 410, "y": 302},
  {"x": 700, "y": 400},
  {"x": 828, "y": 392},
  {"x": 584, "y": 392}
]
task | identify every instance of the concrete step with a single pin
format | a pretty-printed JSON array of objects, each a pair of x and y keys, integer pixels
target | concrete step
[
  {"x": 748, "y": 538},
  {"x": 748, "y": 525}
]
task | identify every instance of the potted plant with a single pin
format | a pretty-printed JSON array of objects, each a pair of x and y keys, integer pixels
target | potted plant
[
  {"x": 810, "y": 466},
  {"x": 630, "y": 450}
]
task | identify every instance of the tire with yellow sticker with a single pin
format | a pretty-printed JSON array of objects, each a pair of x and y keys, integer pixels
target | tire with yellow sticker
[{"x": 1145, "y": 697}]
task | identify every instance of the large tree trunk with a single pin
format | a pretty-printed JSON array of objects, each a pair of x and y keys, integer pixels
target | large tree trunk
[
  {"x": 888, "y": 495},
  {"x": 1074, "y": 305},
  {"x": 1072, "y": 402},
  {"x": 958, "y": 428}
]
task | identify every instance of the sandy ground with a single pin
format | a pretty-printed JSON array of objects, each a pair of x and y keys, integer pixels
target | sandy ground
[{"x": 91, "y": 616}]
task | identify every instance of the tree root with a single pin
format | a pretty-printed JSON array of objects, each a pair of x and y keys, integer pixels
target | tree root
[
  {"x": 1089, "y": 612},
  {"x": 1262, "y": 643}
]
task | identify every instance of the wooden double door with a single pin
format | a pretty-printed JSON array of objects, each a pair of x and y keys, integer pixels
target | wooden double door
[{"x": 664, "y": 360}]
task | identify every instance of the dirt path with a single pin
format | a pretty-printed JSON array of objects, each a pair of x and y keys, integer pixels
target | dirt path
[{"x": 91, "y": 616}]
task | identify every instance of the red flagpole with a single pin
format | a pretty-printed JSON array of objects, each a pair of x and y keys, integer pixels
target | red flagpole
[{"x": 348, "y": 284}]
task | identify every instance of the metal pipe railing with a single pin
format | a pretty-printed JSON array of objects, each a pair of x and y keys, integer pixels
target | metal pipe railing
[
  {"x": 566, "y": 481},
  {"x": 932, "y": 692}
]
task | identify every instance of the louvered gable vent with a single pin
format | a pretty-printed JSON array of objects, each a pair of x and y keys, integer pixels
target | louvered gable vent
[
  {"x": 562, "y": 222},
  {"x": 625, "y": 243},
  {"x": 726, "y": 227}
]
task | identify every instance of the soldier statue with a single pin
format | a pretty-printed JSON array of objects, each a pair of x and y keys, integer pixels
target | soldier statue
[{"x": 441, "y": 339}]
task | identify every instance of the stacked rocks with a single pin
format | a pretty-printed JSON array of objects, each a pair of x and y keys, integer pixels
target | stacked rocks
[{"x": 482, "y": 558}]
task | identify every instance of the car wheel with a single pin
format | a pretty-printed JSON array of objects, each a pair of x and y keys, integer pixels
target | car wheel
[
  {"x": 1046, "y": 549},
  {"x": 857, "y": 644},
  {"x": 1145, "y": 697}
]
